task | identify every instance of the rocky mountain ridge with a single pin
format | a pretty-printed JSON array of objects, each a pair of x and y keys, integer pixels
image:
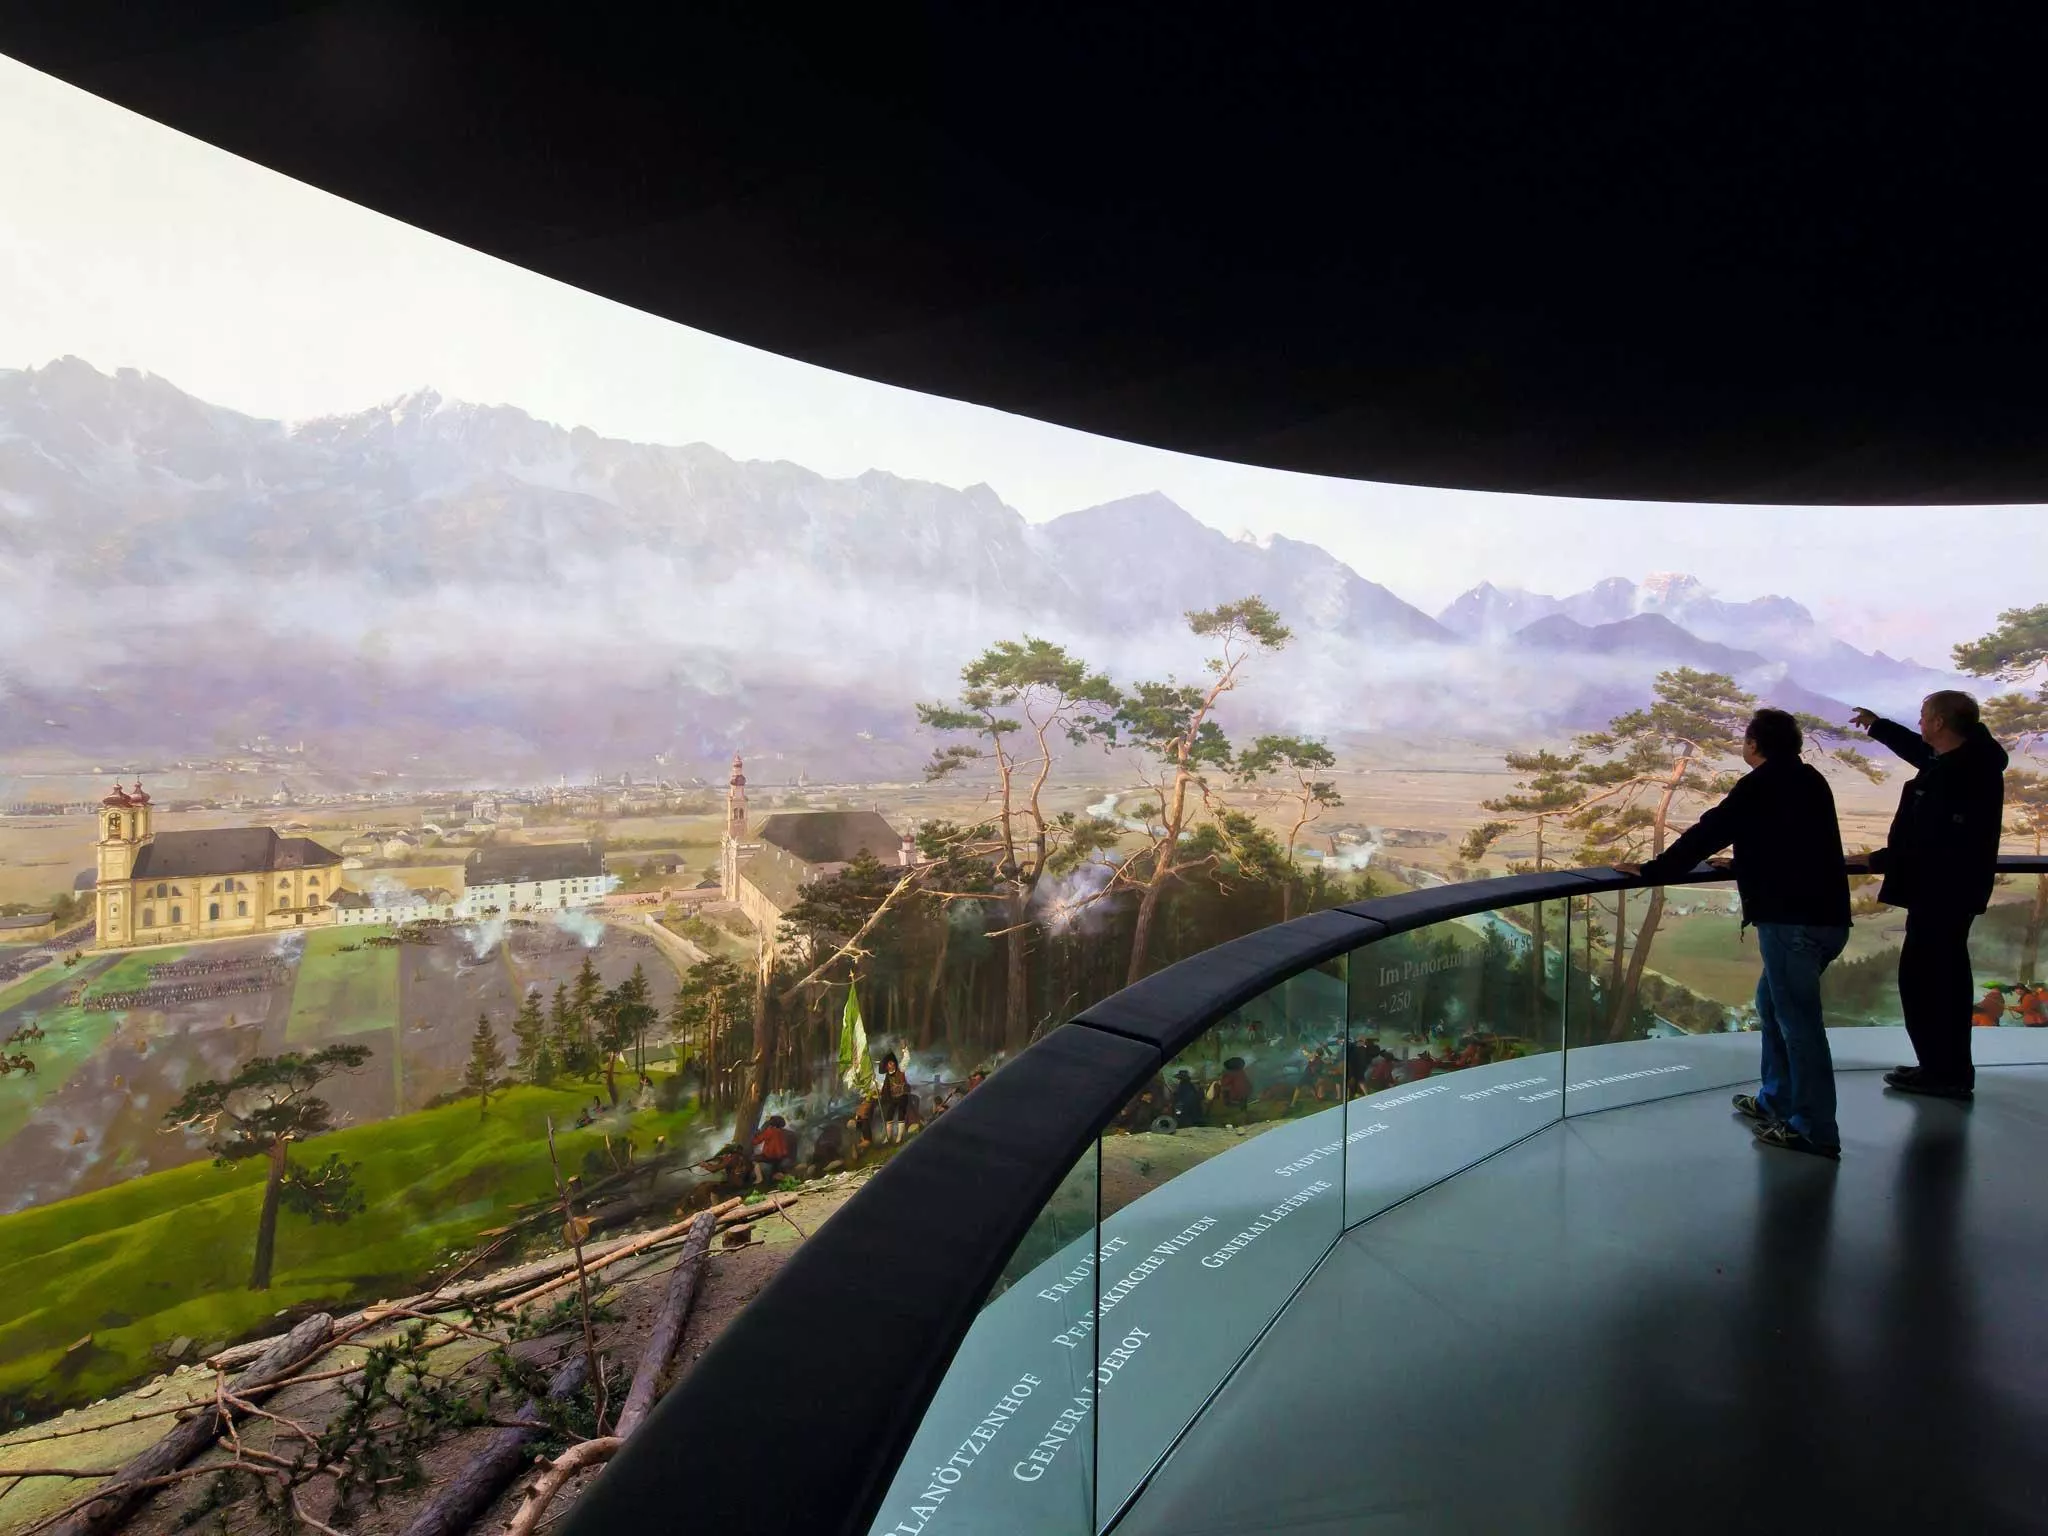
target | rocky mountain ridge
[{"x": 432, "y": 577}]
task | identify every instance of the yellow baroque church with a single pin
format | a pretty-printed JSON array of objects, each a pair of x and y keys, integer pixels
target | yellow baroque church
[{"x": 212, "y": 883}]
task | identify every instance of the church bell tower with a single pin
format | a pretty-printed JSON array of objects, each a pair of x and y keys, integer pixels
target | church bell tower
[
  {"x": 124, "y": 831},
  {"x": 735, "y": 830}
]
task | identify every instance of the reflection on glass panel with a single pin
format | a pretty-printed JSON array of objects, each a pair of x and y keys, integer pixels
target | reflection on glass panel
[
  {"x": 1221, "y": 1190},
  {"x": 1456, "y": 1047},
  {"x": 1671, "y": 1008},
  {"x": 2008, "y": 991},
  {"x": 2009, "y": 1013},
  {"x": 1006, "y": 1447}
]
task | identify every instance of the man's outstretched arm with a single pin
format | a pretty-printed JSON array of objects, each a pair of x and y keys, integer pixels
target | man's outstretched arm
[{"x": 1901, "y": 740}]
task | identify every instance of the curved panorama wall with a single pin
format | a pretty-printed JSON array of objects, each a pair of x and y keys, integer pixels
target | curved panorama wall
[{"x": 430, "y": 605}]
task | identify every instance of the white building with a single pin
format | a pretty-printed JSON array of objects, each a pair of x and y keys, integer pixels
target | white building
[
  {"x": 390, "y": 906},
  {"x": 533, "y": 877}
]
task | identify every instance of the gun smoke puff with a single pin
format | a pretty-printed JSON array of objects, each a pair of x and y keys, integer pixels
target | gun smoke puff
[
  {"x": 1072, "y": 900},
  {"x": 582, "y": 926}
]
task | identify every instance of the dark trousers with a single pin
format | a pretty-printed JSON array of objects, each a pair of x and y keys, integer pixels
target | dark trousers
[{"x": 1935, "y": 993}]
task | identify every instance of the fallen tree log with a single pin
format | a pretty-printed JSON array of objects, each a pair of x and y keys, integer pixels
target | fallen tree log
[
  {"x": 592, "y": 1262},
  {"x": 668, "y": 1325},
  {"x": 462, "y": 1499},
  {"x": 121, "y": 1495},
  {"x": 654, "y": 1362},
  {"x": 585, "y": 1453},
  {"x": 562, "y": 1266}
]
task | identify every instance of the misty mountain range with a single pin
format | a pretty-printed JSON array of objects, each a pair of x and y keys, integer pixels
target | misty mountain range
[{"x": 461, "y": 586}]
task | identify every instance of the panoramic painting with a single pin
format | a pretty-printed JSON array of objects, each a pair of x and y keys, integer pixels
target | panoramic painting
[{"x": 485, "y": 772}]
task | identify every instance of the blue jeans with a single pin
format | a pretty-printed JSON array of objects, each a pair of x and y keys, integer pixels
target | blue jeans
[{"x": 1799, "y": 1070}]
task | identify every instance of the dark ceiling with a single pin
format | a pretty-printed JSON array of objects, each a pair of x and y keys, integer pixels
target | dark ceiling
[{"x": 1730, "y": 255}]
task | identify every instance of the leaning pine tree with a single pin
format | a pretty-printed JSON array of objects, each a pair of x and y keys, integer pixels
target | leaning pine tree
[
  {"x": 1172, "y": 726},
  {"x": 260, "y": 1112}
]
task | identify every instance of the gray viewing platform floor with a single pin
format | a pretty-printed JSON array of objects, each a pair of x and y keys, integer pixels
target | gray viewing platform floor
[{"x": 1640, "y": 1321}]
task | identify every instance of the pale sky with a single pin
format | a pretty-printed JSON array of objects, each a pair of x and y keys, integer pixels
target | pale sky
[{"x": 129, "y": 245}]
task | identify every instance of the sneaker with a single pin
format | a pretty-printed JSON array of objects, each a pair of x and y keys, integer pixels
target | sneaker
[
  {"x": 1746, "y": 1104},
  {"x": 1923, "y": 1085},
  {"x": 1778, "y": 1134}
]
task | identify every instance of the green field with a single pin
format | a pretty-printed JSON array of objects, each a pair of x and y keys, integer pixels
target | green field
[
  {"x": 166, "y": 1254},
  {"x": 338, "y": 994}
]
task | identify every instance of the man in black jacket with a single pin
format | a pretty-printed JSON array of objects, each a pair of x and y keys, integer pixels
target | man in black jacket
[
  {"x": 1780, "y": 818},
  {"x": 1939, "y": 863}
]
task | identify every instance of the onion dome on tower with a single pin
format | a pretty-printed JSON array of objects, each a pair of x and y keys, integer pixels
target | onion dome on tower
[
  {"x": 140, "y": 797},
  {"x": 118, "y": 799}
]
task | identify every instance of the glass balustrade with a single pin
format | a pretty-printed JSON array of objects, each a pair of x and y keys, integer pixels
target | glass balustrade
[
  {"x": 1222, "y": 1183},
  {"x": 1006, "y": 1447},
  {"x": 1222, "y": 1188},
  {"x": 1456, "y": 1047}
]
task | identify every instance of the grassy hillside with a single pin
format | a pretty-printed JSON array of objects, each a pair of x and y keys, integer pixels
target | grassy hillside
[{"x": 168, "y": 1254}]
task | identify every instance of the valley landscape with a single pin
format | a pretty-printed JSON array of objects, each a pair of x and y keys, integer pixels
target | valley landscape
[
  {"x": 432, "y": 635},
  {"x": 472, "y": 855}
]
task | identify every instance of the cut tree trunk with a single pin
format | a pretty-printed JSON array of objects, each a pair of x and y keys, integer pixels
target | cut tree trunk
[
  {"x": 931, "y": 991},
  {"x": 1141, "y": 931},
  {"x": 266, "y": 1225},
  {"x": 747, "y": 1115},
  {"x": 668, "y": 1326},
  {"x": 1016, "y": 993},
  {"x": 121, "y": 1496},
  {"x": 499, "y": 1457}
]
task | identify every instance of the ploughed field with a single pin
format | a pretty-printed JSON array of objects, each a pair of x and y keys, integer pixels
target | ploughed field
[{"x": 91, "y": 1115}]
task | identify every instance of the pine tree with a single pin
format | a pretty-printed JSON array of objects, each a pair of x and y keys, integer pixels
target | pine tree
[
  {"x": 1550, "y": 788},
  {"x": 1300, "y": 759},
  {"x": 584, "y": 996},
  {"x": 636, "y": 1012},
  {"x": 1017, "y": 701},
  {"x": 531, "y": 1030},
  {"x": 259, "y": 1112},
  {"x": 565, "y": 1033},
  {"x": 1174, "y": 725},
  {"x": 1663, "y": 760},
  {"x": 486, "y": 1064}
]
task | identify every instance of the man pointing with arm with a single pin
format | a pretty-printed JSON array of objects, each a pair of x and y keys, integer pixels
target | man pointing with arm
[
  {"x": 1939, "y": 862},
  {"x": 1780, "y": 818}
]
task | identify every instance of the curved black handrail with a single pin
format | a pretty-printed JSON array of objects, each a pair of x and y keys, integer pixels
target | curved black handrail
[{"x": 877, "y": 1301}]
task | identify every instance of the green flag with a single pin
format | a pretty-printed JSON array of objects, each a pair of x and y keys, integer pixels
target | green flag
[{"x": 855, "y": 1070}]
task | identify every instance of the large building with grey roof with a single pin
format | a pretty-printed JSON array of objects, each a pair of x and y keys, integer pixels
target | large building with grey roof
[
  {"x": 505, "y": 878},
  {"x": 154, "y": 887},
  {"x": 764, "y": 867}
]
